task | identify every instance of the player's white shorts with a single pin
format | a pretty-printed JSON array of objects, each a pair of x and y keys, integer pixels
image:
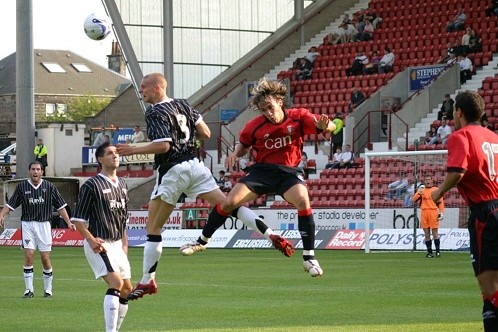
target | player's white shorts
[
  {"x": 37, "y": 234},
  {"x": 114, "y": 260},
  {"x": 190, "y": 177}
]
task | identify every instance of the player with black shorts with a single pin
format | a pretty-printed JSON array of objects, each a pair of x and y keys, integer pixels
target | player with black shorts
[
  {"x": 173, "y": 127},
  {"x": 472, "y": 166},
  {"x": 37, "y": 198},
  {"x": 102, "y": 204},
  {"x": 276, "y": 136}
]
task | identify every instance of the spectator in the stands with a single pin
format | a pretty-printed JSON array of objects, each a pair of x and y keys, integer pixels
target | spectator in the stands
[
  {"x": 350, "y": 35},
  {"x": 346, "y": 19},
  {"x": 493, "y": 8},
  {"x": 466, "y": 39},
  {"x": 224, "y": 182},
  {"x": 387, "y": 62},
  {"x": 475, "y": 42},
  {"x": 373, "y": 63},
  {"x": 485, "y": 123},
  {"x": 451, "y": 59},
  {"x": 458, "y": 21},
  {"x": 347, "y": 158},
  {"x": 296, "y": 64},
  {"x": 338, "y": 36},
  {"x": 446, "y": 108},
  {"x": 367, "y": 33},
  {"x": 407, "y": 201},
  {"x": 458, "y": 48},
  {"x": 312, "y": 54},
  {"x": 356, "y": 99},
  {"x": 336, "y": 158},
  {"x": 338, "y": 133},
  {"x": 220, "y": 179},
  {"x": 367, "y": 15},
  {"x": 358, "y": 63},
  {"x": 304, "y": 69},
  {"x": 397, "y": 189},
  {"x": 443, "y": 132},
  {"x": 430, "y": 135},
  {"x": 466, "y": 68}
]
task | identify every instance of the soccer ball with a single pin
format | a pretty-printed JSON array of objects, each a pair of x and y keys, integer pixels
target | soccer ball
[{"x": 97, "y": 27}]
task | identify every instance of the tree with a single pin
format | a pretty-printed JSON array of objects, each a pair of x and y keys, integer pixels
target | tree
[{"x": 78, "y": 109}]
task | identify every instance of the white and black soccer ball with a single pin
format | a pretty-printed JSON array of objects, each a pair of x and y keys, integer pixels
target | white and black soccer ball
[{"x": 97, "y": 27}]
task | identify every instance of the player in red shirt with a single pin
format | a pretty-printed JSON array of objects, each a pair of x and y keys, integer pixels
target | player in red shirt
[
  {"x": 472, "y": 167},
  {"x": 276, "y": 136}
]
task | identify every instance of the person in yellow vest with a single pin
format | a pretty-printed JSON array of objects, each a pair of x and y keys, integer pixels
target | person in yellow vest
[
  {"x": 41, "y": 154},
  {"x": 431, "y": 214}
]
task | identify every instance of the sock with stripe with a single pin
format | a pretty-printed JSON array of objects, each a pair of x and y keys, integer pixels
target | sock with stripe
[
  {"x": 47, "y": 280},
  {"x": 111, "y": 309},
  {"x": 28, "y": 277},
  {"x": 306, "y": 225},
  {"x": 153, "y": 250}
]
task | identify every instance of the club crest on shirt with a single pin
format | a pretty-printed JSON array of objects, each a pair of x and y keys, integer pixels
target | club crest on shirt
[{"x": 290, "y": 129}]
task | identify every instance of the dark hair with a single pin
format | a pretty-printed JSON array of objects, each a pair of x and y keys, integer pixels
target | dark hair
[
  {"x": 387, "y": 49},
  {"x": 471, "y": 104},
  {"x": 101, "y": 150},
  {"x": 34, "y": 163}
]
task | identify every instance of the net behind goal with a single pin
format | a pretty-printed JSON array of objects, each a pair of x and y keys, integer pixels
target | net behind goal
[{"x": 394, "y": 218}]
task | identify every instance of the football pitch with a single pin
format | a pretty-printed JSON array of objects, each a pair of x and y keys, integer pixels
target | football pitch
[{"x": 254, "y": 290}]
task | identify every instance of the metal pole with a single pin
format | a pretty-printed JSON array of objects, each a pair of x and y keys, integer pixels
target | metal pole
[
  {"x": 415, "y": 216},
  {"x": 25, "y": 87},
  {"x": 125, "y": 44},
  {"x": 168, "y": 45},
  {"x": 298, "y": 14}
]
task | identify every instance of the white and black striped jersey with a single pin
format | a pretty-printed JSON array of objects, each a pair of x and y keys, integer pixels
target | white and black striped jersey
[
  {"x": 104, "y": 205},
  {"x": 38, "y": 202},
  {"x": 173, "y": 121}
]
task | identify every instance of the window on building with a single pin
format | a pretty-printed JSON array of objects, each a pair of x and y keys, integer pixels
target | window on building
[
  {"x": 58, "y": 110},
  {"x": 53, "y": 67},
  {"x": 81, "y": 67},
  {"x": 49, "y": 109}
]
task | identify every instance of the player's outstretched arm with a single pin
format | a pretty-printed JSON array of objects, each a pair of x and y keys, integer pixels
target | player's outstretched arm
[{"x": 152, "y": 148}]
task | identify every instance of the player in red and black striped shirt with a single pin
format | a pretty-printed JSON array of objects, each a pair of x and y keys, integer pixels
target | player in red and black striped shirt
[
  {"x": 472, "y": 166},
  {"x": 276, "y": 136}
]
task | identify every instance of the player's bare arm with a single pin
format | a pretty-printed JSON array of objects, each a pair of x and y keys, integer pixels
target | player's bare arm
[
  {"x": 233, "y": 158},
  {"x": 65, "y": 216},
  {"x": 124, "y": 241},
  {"x": 5, "y": 211},
  {"x": 450, "y": 181},
  {"x": 152, "y": 148},
  {"x": 202, "y": 131}
]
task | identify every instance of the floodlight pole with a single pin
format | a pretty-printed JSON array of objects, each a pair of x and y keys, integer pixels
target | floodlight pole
[
  {"x": 25, "y": 88},
  {"x": 125, "y": 44}
]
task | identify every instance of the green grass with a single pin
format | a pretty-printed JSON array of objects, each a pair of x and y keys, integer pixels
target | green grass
[{"x": 254, "y": 290}]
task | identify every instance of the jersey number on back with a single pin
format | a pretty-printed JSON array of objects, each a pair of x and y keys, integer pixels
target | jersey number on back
[
  {"x": 182, "y": 122},
  {"x": 490, "y": 150}
]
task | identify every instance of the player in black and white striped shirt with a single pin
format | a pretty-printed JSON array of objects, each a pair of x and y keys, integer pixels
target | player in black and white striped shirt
[
  {"x": 37, "y": 198},
  {"x": 173, "y": 127},
  {"x": 102, "y": 204}
]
